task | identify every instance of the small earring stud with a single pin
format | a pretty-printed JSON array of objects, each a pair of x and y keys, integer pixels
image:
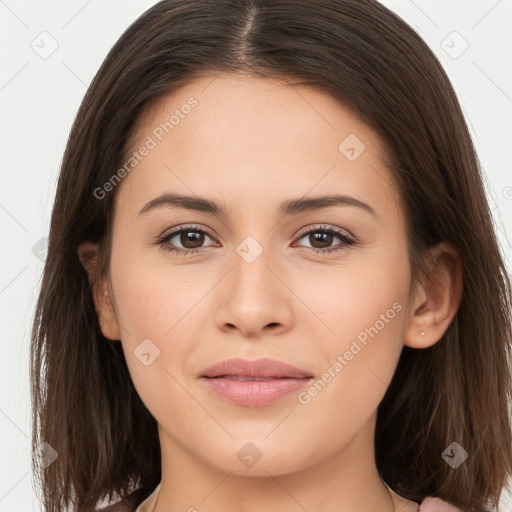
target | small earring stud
[
  {"x": 422, "y": 333},
  {"x": 106, "y": 292}
]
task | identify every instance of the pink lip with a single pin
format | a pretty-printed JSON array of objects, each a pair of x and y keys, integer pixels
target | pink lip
[{"x": 285, "y": 379}]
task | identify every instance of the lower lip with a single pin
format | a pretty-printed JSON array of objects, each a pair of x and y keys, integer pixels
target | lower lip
[{"x": 254, "y": 393}]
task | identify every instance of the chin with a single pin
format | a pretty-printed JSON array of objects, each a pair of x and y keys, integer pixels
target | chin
[{"x": 259, "y": 459}]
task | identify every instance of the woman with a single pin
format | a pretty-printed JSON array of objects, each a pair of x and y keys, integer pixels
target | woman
[{"x": 272, "y": 279}]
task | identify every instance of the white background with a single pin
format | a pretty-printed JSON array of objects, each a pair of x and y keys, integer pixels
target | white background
[{"x": 39, "y": 99}]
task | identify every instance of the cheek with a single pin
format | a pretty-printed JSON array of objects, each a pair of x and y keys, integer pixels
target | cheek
[
  {"x": 165, "y": 314},
  {"x": 359, "y": 299},
  {"x": 155, "y": 306},
  {"x": 158, "y": 343},
  {"x": 361, "y": 362},
  {"x": 152, "y": 294},
  {"x": 360, "y": 312}
]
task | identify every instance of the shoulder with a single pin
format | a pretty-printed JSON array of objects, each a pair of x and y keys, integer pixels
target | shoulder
[
  {"x": 429, "y": 504},
  {"x": 120, "y": 506},
  {"x": 135, "y": 501},
  {"x": 128, "y": 503}
]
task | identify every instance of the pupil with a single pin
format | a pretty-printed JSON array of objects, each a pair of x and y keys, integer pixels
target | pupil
[
  {"x": 326, "y": 238},
  {"x": 191, "y": 239}
]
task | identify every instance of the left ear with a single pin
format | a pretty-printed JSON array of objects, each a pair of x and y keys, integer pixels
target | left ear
[{"x": 437, "y": 298}]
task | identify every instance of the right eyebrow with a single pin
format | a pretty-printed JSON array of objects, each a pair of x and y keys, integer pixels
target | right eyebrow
[{"x": 196, "y": 203}]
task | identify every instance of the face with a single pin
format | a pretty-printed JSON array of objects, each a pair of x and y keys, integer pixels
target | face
[{"x": 322, "y": 286}]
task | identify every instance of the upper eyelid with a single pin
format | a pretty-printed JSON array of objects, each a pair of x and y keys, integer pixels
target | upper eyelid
[
  {"x": 325, "y": 227},
  {"x": 179, "y": 229}
]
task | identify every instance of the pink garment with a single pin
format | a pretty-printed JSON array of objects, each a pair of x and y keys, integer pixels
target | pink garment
[{"x": 430, "y": 504}]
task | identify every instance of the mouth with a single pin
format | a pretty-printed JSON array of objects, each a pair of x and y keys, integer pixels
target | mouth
[
  {"x": 260, "y": 368},
  {"x": 243, "y": 378},
  {"x": 254, "y": 383}
]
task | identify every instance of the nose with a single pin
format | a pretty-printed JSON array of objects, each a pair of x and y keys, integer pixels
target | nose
[{"x": 254, "y": 299}]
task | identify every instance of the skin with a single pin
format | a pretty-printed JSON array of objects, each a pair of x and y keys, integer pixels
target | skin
[{"x": 252, "y": 143}]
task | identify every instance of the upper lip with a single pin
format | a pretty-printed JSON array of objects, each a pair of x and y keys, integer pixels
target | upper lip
[{"x": 258, "y": 368}]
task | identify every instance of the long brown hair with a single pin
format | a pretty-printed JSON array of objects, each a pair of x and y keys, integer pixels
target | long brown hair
[{"x": 84, "y": 403}]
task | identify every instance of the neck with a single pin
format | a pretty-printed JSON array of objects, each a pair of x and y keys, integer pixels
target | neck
[{"x": 347, "y": 480}]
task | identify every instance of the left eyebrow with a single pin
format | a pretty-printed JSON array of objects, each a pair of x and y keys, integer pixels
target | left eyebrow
[
  {"x": 295, "y": 206},
  {"x": 290, "y": 207}
]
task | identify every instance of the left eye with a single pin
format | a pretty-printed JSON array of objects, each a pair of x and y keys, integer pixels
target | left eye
[
  {"x": 320, "y": 239},
  {"x": 192, "y": 240}
]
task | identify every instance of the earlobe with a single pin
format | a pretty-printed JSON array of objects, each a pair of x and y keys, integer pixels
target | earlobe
[
  {"x": 437, "y": 298},
  {"x": 419, "y": 333},
  {"x": 105, "y": 310}
]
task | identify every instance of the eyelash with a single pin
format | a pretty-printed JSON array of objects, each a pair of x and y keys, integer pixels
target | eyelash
[{"x": 346, "y": 240}]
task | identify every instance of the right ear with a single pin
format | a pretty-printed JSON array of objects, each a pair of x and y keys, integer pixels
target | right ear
[{"x": 88, "y": 253}]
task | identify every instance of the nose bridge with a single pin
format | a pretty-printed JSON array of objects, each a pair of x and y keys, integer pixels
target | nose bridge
[
  {"x": 251, "y": 279},
  {"x": 254, "y": 297}
]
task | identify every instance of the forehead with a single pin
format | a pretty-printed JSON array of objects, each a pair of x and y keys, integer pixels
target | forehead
[
  {"x": 245, "y": 108},
  {"x": 228, "y": 134}
]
